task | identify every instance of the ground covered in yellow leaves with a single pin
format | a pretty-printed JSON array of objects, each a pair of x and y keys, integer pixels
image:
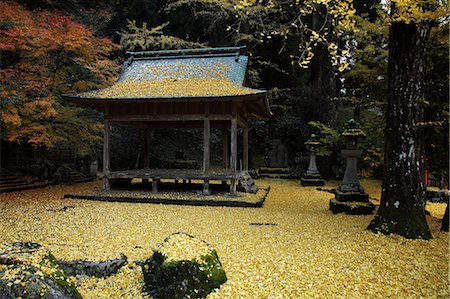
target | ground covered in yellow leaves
[{"x": 303, "y": 252}]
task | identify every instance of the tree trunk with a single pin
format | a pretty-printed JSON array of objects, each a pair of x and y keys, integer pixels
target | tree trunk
[
  {"x": 403, "y": 196},
  {"x": 323, "y": 78},
  {"x": 445, "y": 221}
]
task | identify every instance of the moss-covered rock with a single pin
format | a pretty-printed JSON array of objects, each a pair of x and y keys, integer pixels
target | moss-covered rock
[
  {"x": 183, "y": 267},
  {"x": 28, "y": 271}
]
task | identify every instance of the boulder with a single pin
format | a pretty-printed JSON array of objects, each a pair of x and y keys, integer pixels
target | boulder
[
  {"x": 182, "y": 267},
  {"x": 28, "y": 271},
  {"x": 248, "y": 184},
  {"x": 89, "y": 268}
]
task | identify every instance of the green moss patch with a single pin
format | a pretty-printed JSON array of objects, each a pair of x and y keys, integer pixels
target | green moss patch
[
  {"x": 409, "y": 224},
  {"x": 34, "y": 273}
]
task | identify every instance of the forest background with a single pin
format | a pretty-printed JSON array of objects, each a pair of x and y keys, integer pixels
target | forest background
[{"x": 48, "y": 48}]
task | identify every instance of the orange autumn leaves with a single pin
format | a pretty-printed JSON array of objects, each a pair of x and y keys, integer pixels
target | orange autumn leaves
[{"x": 45, "y": 53}]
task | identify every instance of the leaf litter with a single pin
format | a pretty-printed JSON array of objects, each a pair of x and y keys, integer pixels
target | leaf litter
[{"x": 309, "y": 253}]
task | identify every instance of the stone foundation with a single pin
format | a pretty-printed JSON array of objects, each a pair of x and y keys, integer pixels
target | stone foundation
[{"x": 351, "y": 207}]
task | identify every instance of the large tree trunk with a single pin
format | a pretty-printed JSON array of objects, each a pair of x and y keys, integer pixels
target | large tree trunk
[
  {"x": 445, "y": 221},
  {"x": 403, "y": 197},
  {"x": 323, "y": 74}
]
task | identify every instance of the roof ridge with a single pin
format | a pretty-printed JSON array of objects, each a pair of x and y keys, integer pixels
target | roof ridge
[{"x": 191, "y": 52}]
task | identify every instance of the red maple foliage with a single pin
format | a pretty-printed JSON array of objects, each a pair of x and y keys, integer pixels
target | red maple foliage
[{"x": 44, "y": 54}]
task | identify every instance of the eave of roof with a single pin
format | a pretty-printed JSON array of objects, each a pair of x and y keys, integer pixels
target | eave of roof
[
  {"x": 213, "y": 74},
  {"x": 259, "y": 98}
]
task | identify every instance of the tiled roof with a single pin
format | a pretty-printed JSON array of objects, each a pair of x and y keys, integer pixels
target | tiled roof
[{"x": 204, "y": 73}]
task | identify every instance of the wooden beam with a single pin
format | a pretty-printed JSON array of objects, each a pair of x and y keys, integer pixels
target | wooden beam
[
  {"x": 174, "y": 174},
  {"x": 169, "y": 117},
  {"x": 106, "y": 155},
  {"x": 233, "y": 154},
  {"x": 245, "y": 149},
  {"x": 241, "y": 121}
]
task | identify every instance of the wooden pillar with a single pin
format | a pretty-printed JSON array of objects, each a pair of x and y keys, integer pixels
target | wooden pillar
[
  {"x": 225, "y": 145},
  {"x": 233, "y": 154},
  {"x": 245, "y": 149},
  {"x": 146, "y": 154},
  {"x": 146, "y": 148},
  {"x": 206, "y": 152},
  {"x": 155, "y": 185},
  {"x": 106, "y": 155}
]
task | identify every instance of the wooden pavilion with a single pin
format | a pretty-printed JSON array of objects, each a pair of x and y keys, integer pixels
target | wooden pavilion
[{"x": 190, "y": 88}]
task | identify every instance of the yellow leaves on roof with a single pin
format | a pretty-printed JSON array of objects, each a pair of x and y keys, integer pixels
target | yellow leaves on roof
[
  {"x": 170, "y": 88},
  {"x": 177, "y": 70}
]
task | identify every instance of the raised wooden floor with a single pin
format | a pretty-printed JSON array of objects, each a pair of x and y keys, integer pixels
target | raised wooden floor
[{"x": 176, "y": 174}]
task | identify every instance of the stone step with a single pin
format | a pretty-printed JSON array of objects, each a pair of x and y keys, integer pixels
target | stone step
[
  {"x": 5, "y": 172},
  {"x": 23, "y": 187},
  {"x": 18, "y": 183},
  {"x": 280, "y": 170},
  {"x": 275, "y": 175},
  {"x": 11, "y": 180},
  {"x": 76, "y": 177},
  {"x": 83, "y": 180},
  {"x": 9, "y": 176}
]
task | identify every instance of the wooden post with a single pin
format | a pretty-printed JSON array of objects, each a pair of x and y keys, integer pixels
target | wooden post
[
  {"x": 233, "y": 154},
  {"x": 154, "y": 185},
  {"x": 206, "y": 152},
  {"x": 225, "y": 145},
  {"x": 106, "y": 155},
  {"x": 146, "y": 154},
  {"x": 245, "y": 150},
  {"x": 146, "y": 149}
]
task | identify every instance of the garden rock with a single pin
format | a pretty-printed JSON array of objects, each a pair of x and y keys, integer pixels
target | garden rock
[
  {"x": 89, "y": 268},
  {"x": 248, "y": 184},
  {"x": 28, "y": 271},
  {"x": 182, "y": 267}
]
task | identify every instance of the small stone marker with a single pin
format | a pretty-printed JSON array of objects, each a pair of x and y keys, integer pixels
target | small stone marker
[
  {"x": 277, "y": 154},
  {"x": 350, "y": 196},
  {"x": 312, "y": 176}
]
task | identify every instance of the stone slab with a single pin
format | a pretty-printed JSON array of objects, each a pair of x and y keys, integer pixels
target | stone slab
[
  {"x": 351, "y": 208},
  {"x": 351, "y": 196}
]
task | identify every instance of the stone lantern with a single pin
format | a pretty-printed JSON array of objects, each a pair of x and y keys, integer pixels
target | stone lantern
[
  {"x": 312, "y": 176},
  {"x": 350, "y": 196}
]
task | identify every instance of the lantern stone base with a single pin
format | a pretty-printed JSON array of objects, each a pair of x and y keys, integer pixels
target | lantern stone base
[
  {"x": 312, "y": 180},
  {"x": 351, "y": 207},
  {"x": 351, "y": 196}
]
